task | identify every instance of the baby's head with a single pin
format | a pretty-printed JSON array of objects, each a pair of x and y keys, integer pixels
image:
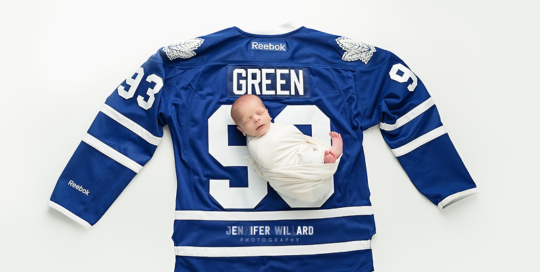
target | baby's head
[{"x": 250, "y": 115}]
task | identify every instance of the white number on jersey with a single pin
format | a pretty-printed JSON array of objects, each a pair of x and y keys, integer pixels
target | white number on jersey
[
  {"x": 229, "y": 156},
  {"x": 134, "y": 84},
  {"x": 151, "y": 92},
  {"x": 404, "y": 77}
]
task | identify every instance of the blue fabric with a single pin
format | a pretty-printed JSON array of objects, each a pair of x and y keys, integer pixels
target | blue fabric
[
  {"x": 442, "y": 175},
  {"x": 352, "y": 261}
]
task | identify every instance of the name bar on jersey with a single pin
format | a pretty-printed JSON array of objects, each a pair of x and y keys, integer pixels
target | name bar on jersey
[{"x": 267, "y": 81}]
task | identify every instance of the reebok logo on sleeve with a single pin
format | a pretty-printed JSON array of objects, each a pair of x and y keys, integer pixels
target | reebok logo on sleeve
[{"x": 78, "y": 187}]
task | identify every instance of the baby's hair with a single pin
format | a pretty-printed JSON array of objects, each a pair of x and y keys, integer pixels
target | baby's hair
[{"x": 246, "y": 98}]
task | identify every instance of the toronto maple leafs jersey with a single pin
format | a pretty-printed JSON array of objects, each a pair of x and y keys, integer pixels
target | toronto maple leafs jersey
[{"x": 227, "y": 217}]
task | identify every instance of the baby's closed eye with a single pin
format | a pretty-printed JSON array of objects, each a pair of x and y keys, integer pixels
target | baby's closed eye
[{"x": 248, "y": 121}]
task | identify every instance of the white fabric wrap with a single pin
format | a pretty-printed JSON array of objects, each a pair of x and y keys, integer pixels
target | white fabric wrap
[{"x": 293, "y": 163}]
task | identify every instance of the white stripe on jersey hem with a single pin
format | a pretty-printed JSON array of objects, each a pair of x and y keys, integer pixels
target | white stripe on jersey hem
[
  {"x": 112, "y": 153},
  {"x": 409, "y": 115},
  {"x": 251, "y": 251},
  {"x": 416, "y": 143},
  {"x": 130, "y": 124},
  {"x": 69, "y": 214},
  {"x": 449, "y": 200},
  {"x": 272, "y": 215}
]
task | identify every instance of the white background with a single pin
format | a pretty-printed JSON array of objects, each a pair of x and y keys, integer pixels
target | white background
[{"x": 59, "y": 61}]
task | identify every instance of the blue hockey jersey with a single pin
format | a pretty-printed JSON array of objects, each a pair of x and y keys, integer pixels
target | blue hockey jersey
[{"x": 227, "y": 217}]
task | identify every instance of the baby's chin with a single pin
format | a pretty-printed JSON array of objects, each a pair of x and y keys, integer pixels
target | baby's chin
[{"x": 264, "y": 132}]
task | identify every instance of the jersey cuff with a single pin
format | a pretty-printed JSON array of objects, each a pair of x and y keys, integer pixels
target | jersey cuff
[
  {"x": 69, "y": 214},
  {"x": 449, "y": 200}
]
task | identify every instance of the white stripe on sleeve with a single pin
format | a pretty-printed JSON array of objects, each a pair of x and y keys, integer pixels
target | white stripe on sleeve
[
  {"x": 112, "y": 153},
  {"x": 131, "y": 125},
  {"x": 416, "y": 143},
  {"x": 456, "y": 197},
  {"x": 69, "y": 214},
  {"x": 409, "y": 115}
]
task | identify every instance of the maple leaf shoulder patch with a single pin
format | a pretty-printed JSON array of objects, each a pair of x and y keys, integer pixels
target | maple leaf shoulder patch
[
  {"x": 183, "y": 50},
  {"x": 355, "y": 50}
]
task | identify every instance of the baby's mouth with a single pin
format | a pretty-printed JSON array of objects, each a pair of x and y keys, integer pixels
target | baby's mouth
[{"x": 260, "y": 127}]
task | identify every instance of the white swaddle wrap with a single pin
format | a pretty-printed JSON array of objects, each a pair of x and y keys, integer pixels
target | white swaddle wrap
[{"x": 293, "y": 163}]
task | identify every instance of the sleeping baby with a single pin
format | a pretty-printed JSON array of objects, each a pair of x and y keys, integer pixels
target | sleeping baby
[{"x": 295, "y": 165}]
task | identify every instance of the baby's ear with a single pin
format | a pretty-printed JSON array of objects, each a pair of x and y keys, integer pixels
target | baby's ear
[{"x": 241, "y": 130}]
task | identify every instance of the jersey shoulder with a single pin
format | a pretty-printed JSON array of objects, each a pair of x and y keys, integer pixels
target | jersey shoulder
[
  {"x": 345, "y": 50},
  {"x": 197, "y": 49}
]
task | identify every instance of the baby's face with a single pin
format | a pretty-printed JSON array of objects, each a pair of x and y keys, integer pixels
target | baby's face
[{"x": 255, "y": 120}]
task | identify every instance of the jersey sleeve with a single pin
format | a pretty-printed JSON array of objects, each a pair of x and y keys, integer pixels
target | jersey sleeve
[
  {"x": 119, "y": 142},
  {"x": 411, "y": 126}
]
